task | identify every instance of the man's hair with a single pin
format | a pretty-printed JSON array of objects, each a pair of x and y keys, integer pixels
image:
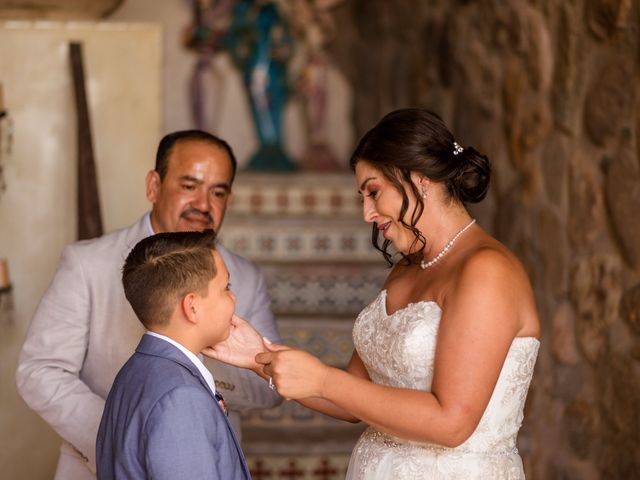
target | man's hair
[
  {"x": 168, "y": 141},
  {"x": 161, "y": 269}
]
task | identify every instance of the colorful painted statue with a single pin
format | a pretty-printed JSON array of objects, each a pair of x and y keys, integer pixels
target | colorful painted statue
[
  {"x": 261, "y": 45},
  {"x": 314, "y": 27},
  {"x": 205, "y": 36}
]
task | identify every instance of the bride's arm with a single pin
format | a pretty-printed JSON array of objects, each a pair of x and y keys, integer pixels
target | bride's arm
[
  {"x": 477, "y": 328},
  {"x": 244, "y": 344},
  {"x": 322, "y": 405}
]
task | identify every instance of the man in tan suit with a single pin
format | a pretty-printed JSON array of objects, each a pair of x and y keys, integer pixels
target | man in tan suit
[{"x": 84, "y": 329}]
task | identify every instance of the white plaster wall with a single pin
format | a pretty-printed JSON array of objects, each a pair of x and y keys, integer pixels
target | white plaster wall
[
  {"x": 234, "y": 118},
  {"x": 38, "y": 209}
]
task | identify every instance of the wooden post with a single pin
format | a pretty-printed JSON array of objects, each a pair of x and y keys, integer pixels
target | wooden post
[{"x": 89, "y": 216}]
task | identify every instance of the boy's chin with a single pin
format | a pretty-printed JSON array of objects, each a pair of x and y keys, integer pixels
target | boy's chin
[
  {"x": 226, "y": 336},
  {"x": 217, "y": 340}
]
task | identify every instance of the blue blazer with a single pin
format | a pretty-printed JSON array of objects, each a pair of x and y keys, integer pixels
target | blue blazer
[{"x": 161, "y": 421}]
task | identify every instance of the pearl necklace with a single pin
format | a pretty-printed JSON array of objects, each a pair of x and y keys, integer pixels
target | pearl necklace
[{"x": 424, "y": 265}]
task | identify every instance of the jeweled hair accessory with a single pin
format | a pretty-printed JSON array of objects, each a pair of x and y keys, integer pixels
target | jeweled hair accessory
[{"x": 457, "y": 148}]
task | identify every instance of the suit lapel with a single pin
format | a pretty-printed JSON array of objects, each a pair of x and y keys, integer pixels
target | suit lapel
[
  {"x": 150, "y": 345},
  {"x": 137, "y": 232}
]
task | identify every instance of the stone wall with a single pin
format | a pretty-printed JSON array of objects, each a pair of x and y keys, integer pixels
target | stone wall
[{"x": 549, "y": 90}]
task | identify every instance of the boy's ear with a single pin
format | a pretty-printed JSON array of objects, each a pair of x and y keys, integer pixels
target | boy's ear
[{"x": 190, "y": 307}]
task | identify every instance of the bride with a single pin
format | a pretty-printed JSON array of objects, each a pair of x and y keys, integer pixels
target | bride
[{"x": 445, "y": 353}]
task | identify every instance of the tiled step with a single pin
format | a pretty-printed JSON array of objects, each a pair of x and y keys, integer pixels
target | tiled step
[
  {"x": 296, "y": 195},
  {"x": 287, "y": 240},
  {"x": 297, "y": 430},
  {"x": 291, "y": 416},
  {"x": 320, "y": 289},
  {"x": 307, "y": 234},
  {"x": 329, "y": 339},
  {"x": 325, "y": 466}
]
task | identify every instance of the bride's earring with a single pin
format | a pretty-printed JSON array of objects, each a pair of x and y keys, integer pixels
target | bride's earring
[{"x": 424, "y": 193}]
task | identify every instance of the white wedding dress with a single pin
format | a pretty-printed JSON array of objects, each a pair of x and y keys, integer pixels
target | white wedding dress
[{"x": 398, "y": 350}]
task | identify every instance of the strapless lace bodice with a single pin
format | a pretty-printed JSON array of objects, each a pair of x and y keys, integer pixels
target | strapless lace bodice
[{"x": 398, "y": 350}]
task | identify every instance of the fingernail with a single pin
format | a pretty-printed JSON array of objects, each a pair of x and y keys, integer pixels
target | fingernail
[{"x": 267, "y": 341}]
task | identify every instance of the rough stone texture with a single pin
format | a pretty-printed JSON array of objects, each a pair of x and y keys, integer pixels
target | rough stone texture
[
  {"x": 630, "y": 308},
  {"x": 580, "y": 418},
  {"x": 555, "y": 169},
  {"x": 549, "y": 90},
  {"x": 619, "y": 397},
  {"x": 563, "y": 338},
  {"x": 605, "y": 17},
  {"x": 567, "y": 69},
  {"x": 609, "y": 101},
  {"x": 552, "y": 231},
  {"x": 596, "y": 293},
  {"x": 623, "y": 201},
  {"x": 586, "y": 216}
]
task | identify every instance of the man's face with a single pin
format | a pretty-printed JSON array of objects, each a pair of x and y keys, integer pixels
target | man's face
[{"x": 195, "y": 191}]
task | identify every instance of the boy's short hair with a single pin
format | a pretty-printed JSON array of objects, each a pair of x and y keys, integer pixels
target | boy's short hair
[{"x": 161, "y": 269}]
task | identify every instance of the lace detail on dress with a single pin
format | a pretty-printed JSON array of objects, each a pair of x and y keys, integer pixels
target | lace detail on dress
[
  {"x": 398, "y": 350},
  {"x": 383, "y": 456}
]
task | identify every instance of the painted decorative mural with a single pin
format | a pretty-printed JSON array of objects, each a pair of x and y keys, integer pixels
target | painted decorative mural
[
  {"x": 314, "y": 28},
  {"x": 261, "y": 37},
  {"x": 257, "y": 37}
]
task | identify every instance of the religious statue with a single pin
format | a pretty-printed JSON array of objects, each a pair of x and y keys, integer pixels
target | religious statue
[
  {"x": 261, "y": 45},
  {"x": 205, "y": 36},
  {"x": 314, "y": 26}
]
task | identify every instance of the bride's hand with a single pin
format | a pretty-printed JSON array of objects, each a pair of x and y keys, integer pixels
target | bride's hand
[
  {"x": 241, "y": 347},
  {"x": 296, "y": 373}
]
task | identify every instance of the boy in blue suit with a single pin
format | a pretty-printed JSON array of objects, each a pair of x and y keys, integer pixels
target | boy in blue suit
[{"x": 163, "y": 418}]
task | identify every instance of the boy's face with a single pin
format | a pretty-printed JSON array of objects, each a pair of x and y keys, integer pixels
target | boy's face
[{"x": 219, "y": 304}]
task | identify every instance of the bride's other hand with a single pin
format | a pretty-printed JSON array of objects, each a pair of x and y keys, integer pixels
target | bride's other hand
[
  {"x": 296, "y": 373},
  {"x": 241, "y": 346}
]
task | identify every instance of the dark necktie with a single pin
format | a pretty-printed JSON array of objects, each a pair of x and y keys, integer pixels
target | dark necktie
[{"x": 220, "y": 401}]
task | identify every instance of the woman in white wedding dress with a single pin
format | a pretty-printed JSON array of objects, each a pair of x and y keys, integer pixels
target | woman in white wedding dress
[{"x": 445, "y": 353}]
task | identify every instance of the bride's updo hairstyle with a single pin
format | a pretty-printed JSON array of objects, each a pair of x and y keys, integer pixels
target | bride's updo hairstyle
[{"x": 417, "y": 140}]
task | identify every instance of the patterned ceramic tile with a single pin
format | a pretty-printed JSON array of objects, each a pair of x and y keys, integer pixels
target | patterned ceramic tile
[
  {"x": 323, "y": 288},
  {"x": 297, "y": 194},
  {"x": 307, "y": 234},
  {"x": 331, "y": 341},
  {"x": 289, "y": 240},
  {"x": 298, "y": 467},
  {"x": 328, "y": 339},
  {"x": 292, "y": 420}
]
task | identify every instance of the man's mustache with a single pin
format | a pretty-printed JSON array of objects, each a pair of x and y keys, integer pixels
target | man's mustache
[{"x": 195, "y": 211}]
